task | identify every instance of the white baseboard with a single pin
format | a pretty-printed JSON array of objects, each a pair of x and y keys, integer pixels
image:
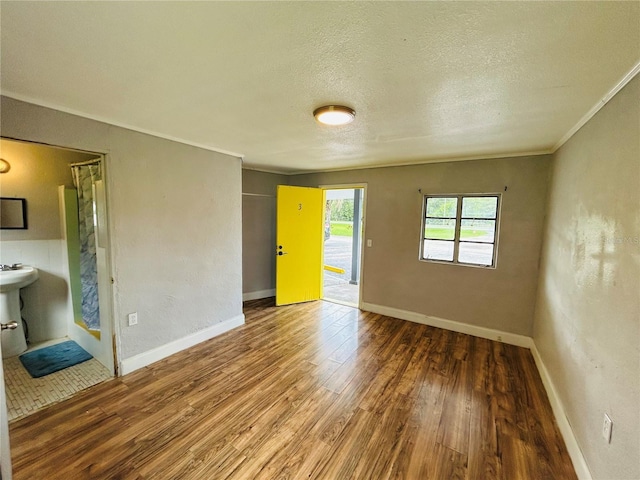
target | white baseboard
[
  {"x": 258, "y": 294},
  {"x": 579, "y": 463},
  {"x": 141, "y": 360},
  {"x": 476, "y": 331}
]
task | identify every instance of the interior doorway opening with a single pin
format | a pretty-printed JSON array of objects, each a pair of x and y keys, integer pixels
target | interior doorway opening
[
  {"x": 66, "y": 342},
  {"x": 343, "y": 228}
]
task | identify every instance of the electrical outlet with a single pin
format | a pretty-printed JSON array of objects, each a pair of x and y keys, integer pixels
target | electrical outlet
[
  {"x": 133, "y": 319},
  {"x": 369, "y": 242},
  {"x": 607, "y": 427}
]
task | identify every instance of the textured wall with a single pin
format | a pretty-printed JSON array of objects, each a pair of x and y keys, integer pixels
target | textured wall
[
  {"x": 587, "y": 324},
  {"x": 259, "y": 230},
  {"x": 175, "y": 224},
  {"x": 501, "y": 298}
]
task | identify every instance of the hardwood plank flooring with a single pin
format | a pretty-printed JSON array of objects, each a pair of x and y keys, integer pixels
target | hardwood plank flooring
[{"x": 317, "y": 390}]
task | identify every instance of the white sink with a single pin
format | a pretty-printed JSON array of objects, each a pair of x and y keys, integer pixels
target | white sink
[
  {"x": 11, "y": 281},
  {"x": 16, "y": 279}
]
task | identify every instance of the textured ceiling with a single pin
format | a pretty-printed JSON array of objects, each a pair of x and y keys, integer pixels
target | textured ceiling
[{"x": 429, "y": 80}]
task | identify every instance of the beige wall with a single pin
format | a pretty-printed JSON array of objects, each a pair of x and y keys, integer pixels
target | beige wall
[
  {"x": 175, "y": 223},
  {"x": 36, "y": 171},
  {"x": 259, "y": 231},
  {"x": 501, "y": 298},
  {"x": 587, "y": 323}
]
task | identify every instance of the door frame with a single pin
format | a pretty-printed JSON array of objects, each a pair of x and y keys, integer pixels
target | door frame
[
  {"x": 113, "y": 326},
  {"x": 365, "y": 197},
  {"x": 105, "y": 352},
  {"x": 5, "y": 443}
]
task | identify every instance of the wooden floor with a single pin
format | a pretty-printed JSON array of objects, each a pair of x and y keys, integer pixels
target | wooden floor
[{"x": 317, "y": 390}]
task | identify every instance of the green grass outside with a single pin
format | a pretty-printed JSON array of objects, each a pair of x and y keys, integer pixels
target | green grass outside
[
  {"x": 346, "y": 230},
  {"x": 447, "y": 233},
  {"x": 341, "y": 229}
]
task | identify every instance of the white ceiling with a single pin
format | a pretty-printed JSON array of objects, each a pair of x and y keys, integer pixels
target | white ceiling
[{"x": 429, "y": 80}]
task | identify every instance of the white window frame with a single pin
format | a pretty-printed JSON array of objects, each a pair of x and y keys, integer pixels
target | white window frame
[{"x": 458, "y": 219}]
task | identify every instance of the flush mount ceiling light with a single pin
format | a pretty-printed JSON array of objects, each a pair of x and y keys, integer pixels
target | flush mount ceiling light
[{"x": 334, "y": 114}]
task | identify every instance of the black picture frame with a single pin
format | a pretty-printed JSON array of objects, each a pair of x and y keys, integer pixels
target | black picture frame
[{"x": 13, "y": 213}]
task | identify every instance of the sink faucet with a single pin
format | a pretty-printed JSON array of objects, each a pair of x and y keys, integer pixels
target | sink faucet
[{"x": 6, "y": 268}]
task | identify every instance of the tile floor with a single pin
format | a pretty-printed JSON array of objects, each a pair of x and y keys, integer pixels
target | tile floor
[{"x": 25, "y": 395}]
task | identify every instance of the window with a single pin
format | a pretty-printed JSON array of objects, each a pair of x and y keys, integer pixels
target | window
[{"x": 460, "y": 229}]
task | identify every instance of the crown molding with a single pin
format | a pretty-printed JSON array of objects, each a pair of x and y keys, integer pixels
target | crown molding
[
  {"x": 534, "y": 153},
  {"x": 596, "y": 108},
  {"x": 98, "y": 118}
]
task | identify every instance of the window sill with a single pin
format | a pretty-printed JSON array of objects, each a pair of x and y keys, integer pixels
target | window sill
[{"x": 444, "y": 262}]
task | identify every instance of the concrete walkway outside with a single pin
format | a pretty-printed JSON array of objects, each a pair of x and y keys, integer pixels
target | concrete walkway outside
[{"x": 337, "y": 253}]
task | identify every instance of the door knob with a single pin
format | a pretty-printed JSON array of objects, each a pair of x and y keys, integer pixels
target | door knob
[{"x": 9, "y": 326}]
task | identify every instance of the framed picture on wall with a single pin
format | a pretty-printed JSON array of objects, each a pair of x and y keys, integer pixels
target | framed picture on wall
[{"x": 13, "y": 213}]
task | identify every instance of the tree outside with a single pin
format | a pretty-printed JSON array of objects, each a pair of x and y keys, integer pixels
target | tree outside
[{"x": 340, "y": 212}]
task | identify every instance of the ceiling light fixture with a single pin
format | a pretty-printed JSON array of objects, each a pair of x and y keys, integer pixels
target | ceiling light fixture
[
  {"x": 4, "y": 166},
  {"x": 334, "y": 114}
]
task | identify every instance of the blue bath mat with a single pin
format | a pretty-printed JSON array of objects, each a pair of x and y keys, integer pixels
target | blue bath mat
[{"x": 54, "y": 358}]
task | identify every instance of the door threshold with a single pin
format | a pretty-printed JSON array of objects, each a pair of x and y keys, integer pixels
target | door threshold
[{"x": 341, "y": 302}]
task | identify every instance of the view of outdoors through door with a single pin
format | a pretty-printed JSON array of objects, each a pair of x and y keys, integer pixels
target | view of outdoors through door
[{"x": 342, "y": 245}]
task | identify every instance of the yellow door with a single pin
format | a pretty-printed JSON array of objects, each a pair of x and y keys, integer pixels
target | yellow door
[{"x": 298, "y": 244}]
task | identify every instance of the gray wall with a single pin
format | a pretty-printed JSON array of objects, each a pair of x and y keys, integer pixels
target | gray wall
[
  {"x": 175, "y": 224},
  {"x": 501, "y": 298},
  {"x": 259, "y": 231},
  {"x": 587, "y": 323}
]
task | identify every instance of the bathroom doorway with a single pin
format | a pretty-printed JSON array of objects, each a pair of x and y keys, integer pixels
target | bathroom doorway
[
  {"x": 67, "y": 241},
  {"x": 343, "y": 234}
]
